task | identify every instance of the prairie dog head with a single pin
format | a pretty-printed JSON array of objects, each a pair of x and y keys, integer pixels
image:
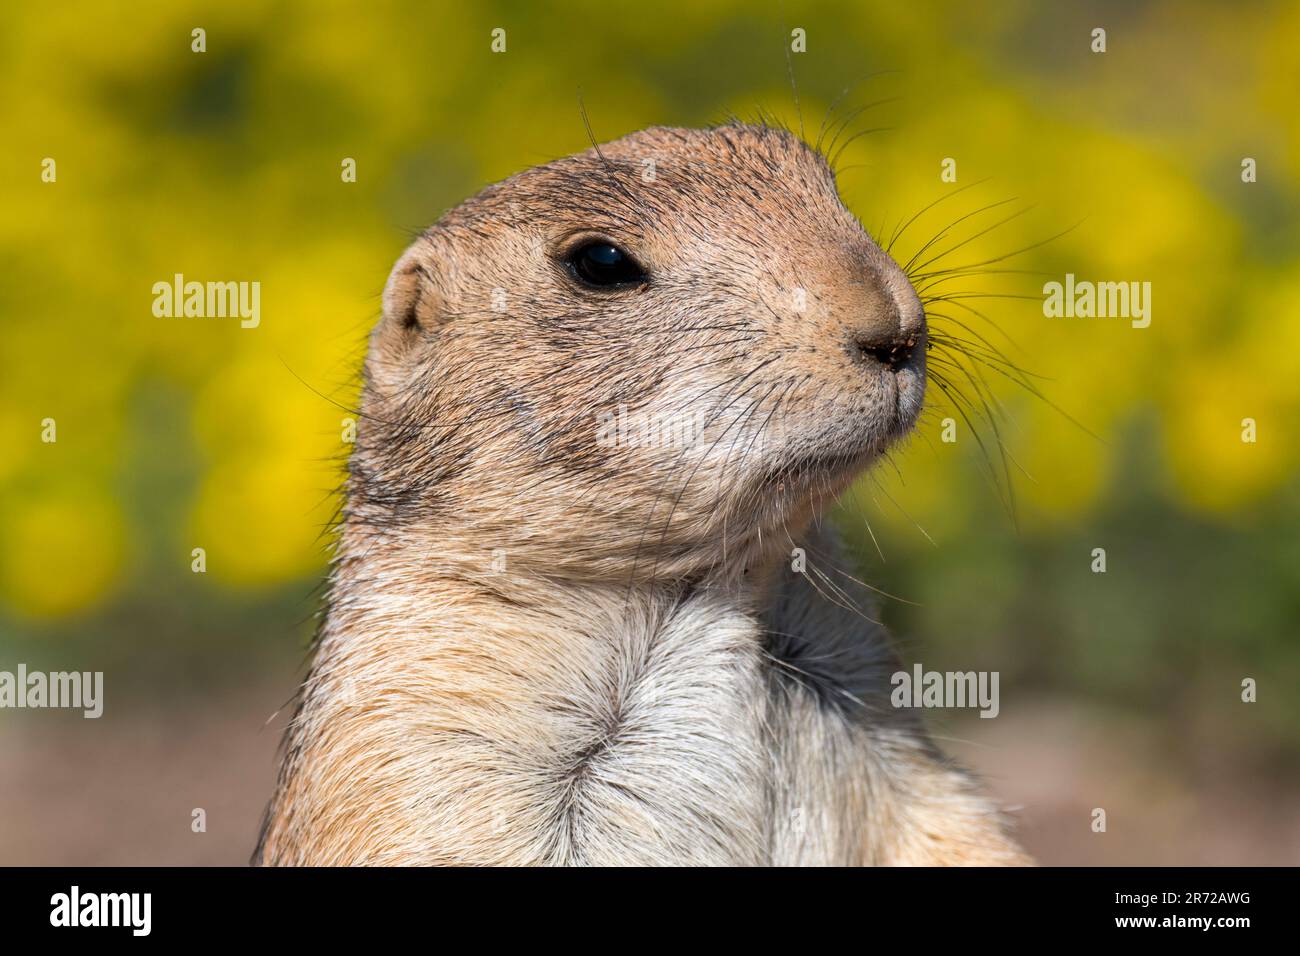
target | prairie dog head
[{"x": 651, "y": 358}]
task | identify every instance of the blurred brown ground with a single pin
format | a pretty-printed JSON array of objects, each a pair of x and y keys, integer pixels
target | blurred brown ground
[
  {"x": 121, "y": 790},
  {"x": 1055, "y": 761}
]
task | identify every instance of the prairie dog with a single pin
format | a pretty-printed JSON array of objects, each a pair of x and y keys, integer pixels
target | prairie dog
[{"x": 607, "y": 399}]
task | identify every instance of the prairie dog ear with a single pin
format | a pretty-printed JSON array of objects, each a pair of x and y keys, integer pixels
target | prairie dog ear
[
  {"x": 412, "y": 300},
  {"x": 413, "y": 310}
]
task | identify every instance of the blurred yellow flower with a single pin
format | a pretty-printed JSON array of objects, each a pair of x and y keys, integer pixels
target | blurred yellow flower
[
  {"x": 62, "y": 551},
  {"x": 224, "y": 165}
]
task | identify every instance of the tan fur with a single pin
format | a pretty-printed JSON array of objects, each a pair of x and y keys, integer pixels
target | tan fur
[{"x": 646, "y": 680}]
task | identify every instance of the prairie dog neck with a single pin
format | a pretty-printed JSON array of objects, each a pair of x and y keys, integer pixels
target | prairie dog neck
[{"x": 514, "y": 719}]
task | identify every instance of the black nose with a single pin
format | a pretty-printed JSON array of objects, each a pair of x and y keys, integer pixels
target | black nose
[{"x": 892, "y": 354}]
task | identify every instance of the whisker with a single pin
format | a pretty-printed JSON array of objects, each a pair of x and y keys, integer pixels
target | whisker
[
  {"x": 898, "y": 233},
  {"x": 912, "y": 263}
]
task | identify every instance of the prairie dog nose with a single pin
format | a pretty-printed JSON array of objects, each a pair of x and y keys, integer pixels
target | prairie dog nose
[
  {"x": 892, "y": 355},
  {"x": 893, "y": 325}
]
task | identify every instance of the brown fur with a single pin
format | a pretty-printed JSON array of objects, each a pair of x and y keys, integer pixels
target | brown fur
[{"x": 645, "y": 680}]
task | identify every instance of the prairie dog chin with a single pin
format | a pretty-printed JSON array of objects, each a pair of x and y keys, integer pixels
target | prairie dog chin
[{"x": 607, "y": 399}]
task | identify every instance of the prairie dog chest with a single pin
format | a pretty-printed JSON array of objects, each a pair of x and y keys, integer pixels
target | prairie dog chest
[
  {"x": 704, "y": 748},
  {"x": 667, "y": 756}
]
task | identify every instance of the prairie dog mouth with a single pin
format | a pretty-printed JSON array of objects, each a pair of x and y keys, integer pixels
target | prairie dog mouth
[
  {"x": 834, "y": 461},
  {"x": 908, "y": 383}
]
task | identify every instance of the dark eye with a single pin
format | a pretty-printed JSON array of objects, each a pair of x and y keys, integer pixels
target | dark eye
[{"x": 605, "y": 264}]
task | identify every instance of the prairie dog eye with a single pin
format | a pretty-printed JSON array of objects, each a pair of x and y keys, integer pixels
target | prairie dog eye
[{"x": 603, "y": 264}]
